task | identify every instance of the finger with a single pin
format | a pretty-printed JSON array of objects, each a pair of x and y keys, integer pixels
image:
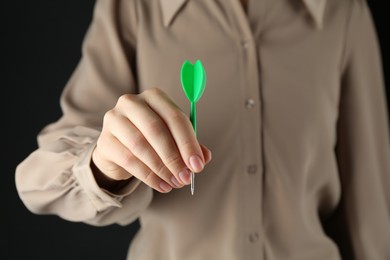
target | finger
[
  {"x": 157, "y": 135},
  {"x": 180, "y": 127},
  {"x": 206, "y": 153},
  {"x": 134, "y": 140},
  {"x": 117, "y": 153}
]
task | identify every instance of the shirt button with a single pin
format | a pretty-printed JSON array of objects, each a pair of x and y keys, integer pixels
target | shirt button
[
  {"x": 245, "y": 44},
  {"x": 253, "y": 237},
  {"x": 252, "y": 169},
  {"x": 249, "y": 103}
]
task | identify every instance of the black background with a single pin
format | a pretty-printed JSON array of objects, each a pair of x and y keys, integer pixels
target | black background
[{"x": 40, "y": 46}]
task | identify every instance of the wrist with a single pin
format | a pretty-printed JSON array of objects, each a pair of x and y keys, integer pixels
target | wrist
[{"x": 106, "y": 182}]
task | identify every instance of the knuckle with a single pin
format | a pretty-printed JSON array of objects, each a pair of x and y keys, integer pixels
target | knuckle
[
  {"x": 136, "y": 142},
  {"x": 178, "y": 119},
  {"x": 177, "y": 116},
  {"x": 190, "y": 145},
  {"x": 108, "y": 116},
  {"x": 155, "y": 127},
  {"x": 127, "y": 98},
  {"x": 148, "y": 177},
  {"x": 161, "y": 169},
  {"x": 154, "y": 91},
  {"x": 127, "y": 159},
  {"x": 173, "y": 161}
]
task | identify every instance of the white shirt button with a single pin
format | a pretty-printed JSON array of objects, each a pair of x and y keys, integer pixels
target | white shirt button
[
  {"x": 253, "y": 237},
  {"x": 249, "y": 103},
  {"x": 245, "y": 44},
  {"x": 252, "y": 169}
]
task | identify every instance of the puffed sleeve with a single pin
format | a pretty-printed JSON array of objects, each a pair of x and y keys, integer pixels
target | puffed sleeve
[
  {"x": 363, "y": 146},
  {"x": 57, "y": 177}
]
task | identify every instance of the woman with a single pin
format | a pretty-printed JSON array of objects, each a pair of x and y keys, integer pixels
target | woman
[{"x": 294, "y": 112}]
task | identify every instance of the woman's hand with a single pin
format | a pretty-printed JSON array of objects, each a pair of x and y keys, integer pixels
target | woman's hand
[{"x": 147, "y": 136}]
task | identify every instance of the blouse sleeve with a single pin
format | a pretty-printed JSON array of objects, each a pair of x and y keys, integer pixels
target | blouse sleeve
[
  {"x": 57, "y": 177},
  {"x": 363, "y": 146}
]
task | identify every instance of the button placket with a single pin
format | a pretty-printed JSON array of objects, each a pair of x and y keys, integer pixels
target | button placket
[{"x": 251, "y": 184}]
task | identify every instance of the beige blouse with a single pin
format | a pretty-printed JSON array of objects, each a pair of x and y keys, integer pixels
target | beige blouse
[{"x": 294, "y": 112}]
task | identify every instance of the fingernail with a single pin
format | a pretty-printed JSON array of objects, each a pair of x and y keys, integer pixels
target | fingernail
[
  {"x": 196, "y": 163},
  {"x": 185, "y": 176},
  {"x": 176, "y": 182},
  {"x": 165, "y": 187}
]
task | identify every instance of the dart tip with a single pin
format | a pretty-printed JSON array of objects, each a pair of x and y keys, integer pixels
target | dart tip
[{"x": 192, "y": 183}]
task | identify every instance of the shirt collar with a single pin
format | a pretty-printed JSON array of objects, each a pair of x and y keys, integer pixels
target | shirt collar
[
  {"x": 169, "y": 9},
  {"x": 316, "y": 9}
]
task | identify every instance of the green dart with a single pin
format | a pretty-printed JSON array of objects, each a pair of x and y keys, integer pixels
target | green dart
[{"x": 193, "y": 81}]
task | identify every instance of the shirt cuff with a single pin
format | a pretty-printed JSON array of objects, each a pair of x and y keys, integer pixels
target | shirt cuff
[{"x": 101, "y": 198}]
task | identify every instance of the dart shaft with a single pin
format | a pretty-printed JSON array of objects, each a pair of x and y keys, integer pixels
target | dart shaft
[
  {"x": 193, "y": 116},
  {"x": 193, "y": 122}
]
